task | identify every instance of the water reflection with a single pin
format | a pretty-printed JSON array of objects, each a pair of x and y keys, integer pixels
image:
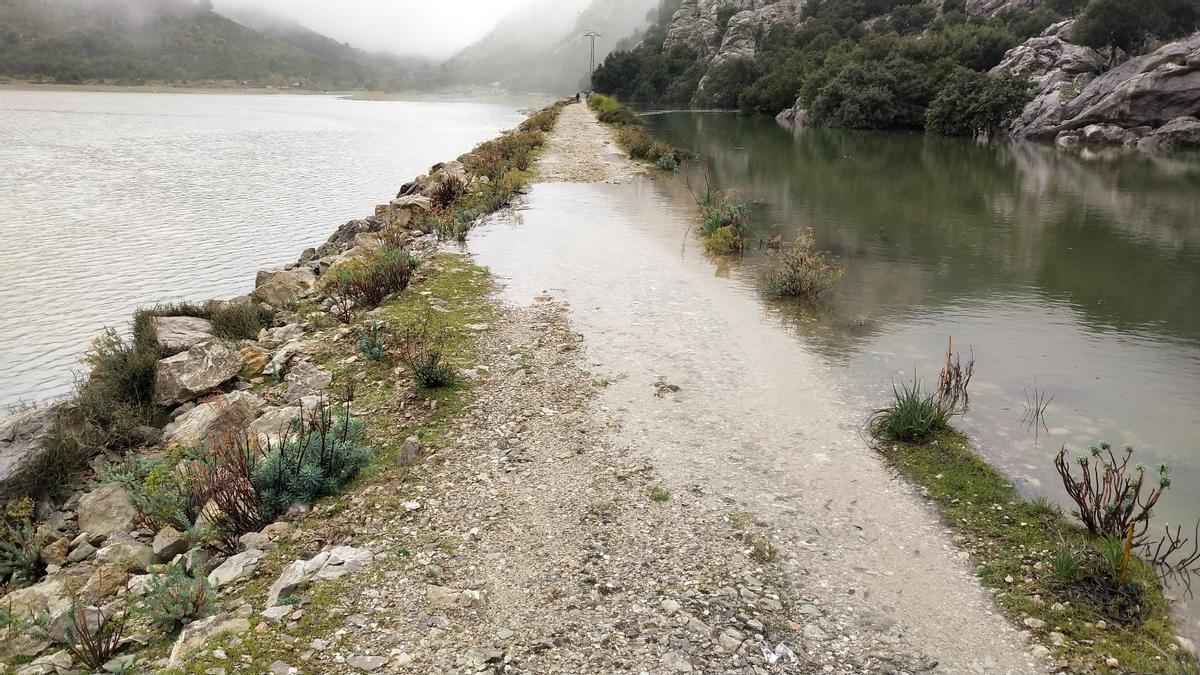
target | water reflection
[{"x": 1077, "y": 274}]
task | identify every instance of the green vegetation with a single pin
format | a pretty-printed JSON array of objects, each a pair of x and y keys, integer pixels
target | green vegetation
[
  {"x": 313, "y": 463},
  {"x": 92, "y": 637},
  {"x": 372, "y": 341},
  {"x": 173, "y": 598},
  {"x": 884, "y": 77},
  {"x": 1043, "y": 567},
  {"x": 912, "y": 416},
  {"x": 799, "y": 270},
  {"x": 118, "y": 395},
  {"x": 632, "y": 135},
  {"x": 1123, "y": 27},
  {"x": 422, "y": 349},
  {"x": 658, "y": 493},
  {"x": 19, "y": 546},
  {"x": 177, "y": 41},
  {"x": 723, "y": 221},
  {"x": 365, "y": 282},
  {"x": 974, "y": 103}
]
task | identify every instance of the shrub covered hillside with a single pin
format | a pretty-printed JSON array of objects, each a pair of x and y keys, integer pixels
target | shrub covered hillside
[
  {"x": 175, "y": 41},
  {"x": 871, "y": 64}
]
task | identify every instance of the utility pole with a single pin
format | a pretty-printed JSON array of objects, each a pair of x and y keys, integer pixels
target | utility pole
[{"x": 593, "y": 35}]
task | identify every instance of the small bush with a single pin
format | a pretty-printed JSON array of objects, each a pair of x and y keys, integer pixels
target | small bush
[
  {"x": 544, "y": 119},
  {"x": 722, "y": 209},
  {"x": 372, "y": 341},
  {"x": 19, "y": 546},
  {"x": 610, "y": 111},
  {"x": 313, "y": 463},
  {"x": 239, "y": 320},
  {"x": 367, "y": 282},
  {"x": 118, "y": 394},
  {"x": 912, "y": 416},
  {"x": 422, "y": 351},
  {"x": 800, "y": 270},
  {"x": 725, "y": 241},
  {"x": 173, "y": 599},
  {"x": 667, "y": 163},
  {"x": 1112, "y": 497},
  {"x": 513, "y": 150},
  {"x": 93, "y": 645},
  {"x": 447, "y": 190},
  {"x": 658, "y": 493}
]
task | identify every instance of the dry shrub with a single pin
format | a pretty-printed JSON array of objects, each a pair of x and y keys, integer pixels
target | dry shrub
[
  {"x": 368, "y": 281},
  {"x": 800, "y": 270},
  {"x": 447, "y": 190}
]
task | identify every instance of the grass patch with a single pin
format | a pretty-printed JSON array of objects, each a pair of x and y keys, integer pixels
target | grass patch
[
  {"x": 912, "y": 416},
  {"x": 1041, "y": 566},
  {"x": 633, "y": 136},
  {"x": 658, "y": 493}
]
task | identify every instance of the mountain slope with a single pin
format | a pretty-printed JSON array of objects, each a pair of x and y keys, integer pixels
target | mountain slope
[
  {"x": 542, "y": 47},
  {"x": 132, "y": 41}
]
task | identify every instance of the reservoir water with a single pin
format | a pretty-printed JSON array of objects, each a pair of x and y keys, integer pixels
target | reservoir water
[{"x": 109, "y": 201}]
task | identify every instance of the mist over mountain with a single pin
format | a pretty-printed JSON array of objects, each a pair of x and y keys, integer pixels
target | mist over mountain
[
  {"x": 179, "y": 42},
  {"x": 542, "y": 47}
]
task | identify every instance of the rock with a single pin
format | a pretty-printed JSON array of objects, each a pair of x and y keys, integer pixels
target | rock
[
  {"x": 306, "y": 379},
  {"x": 676, "y": 661},
  {"x": 277, "y": 531},
  {"x": 235, "y": 567},
  {"x": 273, "y": 425},
  {"x": 332, "y": 564},
  {"x": 49, "y": 599},
  {"x": 276, "y": 614},
  {"x": 104, "y": 583},
  {"x": 1057, "y": 68},
  {"x": 477, "y": 658},
  {"x": 343, "y": 238},
  {"x": 1148, "y": 90},
  {"x": 281, "y": 288},
  {"x": 367, "y": 663},
  {"x": 254, "y": 361},
  {"x": 81, "y": 552},
  {"x": 107, "y": 511},
  {"x": 1186, "y": 644},
  {"x": 670, "y": 607},
  {"x": 222, "y": 418},
  {"x": 272, "y": 337},
  {"x": 278, "y": 366},
  {"x": 23, "y": 445},
  {"x": 410, "y": 451},
  {"x": 197, "y": 371},
  {"x": 126, "y": 552},
  {"x": 798, "y": 113},
  {"x": 21, "y": 645},
  {"x": 256, "y": 540},
  {"x": 281, "y": 668},
  {"x": 195, "y": 634},
  {"x": 58, "y": 662},
  {"x": 55, "y": 553},
  {"x": 181, "y": 332},
  {"x": 1034, "y": 623},
  {"x": 1181, "y": 133},
  {"x": 168, "y": 543}
]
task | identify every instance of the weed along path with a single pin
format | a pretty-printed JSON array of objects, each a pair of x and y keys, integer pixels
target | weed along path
[{"x": 703, "y": 385}]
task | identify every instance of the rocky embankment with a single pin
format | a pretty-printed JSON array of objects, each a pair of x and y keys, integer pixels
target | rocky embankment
[{"x": 1151, "y": 101}]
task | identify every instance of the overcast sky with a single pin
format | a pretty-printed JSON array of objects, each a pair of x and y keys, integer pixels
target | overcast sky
[{"x": 435, "y": 28}]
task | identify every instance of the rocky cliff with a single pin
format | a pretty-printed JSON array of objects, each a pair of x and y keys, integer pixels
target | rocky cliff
[
  {"x": 721, "y": 29},
  {"x": 1151, "y": 101}
]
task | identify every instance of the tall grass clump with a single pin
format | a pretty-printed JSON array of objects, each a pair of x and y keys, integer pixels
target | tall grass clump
[
  {"x": 422, "y": 350},
  {"x": 799, "y": 270},
  {"x": 611, "y": 111},
  {"x": 912, "y": 416},
  {"x": 239, "y": 320},
  {"x": 723, "y": 221}
]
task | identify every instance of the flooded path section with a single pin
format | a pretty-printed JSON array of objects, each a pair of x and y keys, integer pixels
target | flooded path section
[{"x": 756, "y": 420}]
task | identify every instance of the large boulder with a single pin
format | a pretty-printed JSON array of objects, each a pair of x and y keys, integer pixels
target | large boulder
[
  {"x": 235, "y": 567},
  {"x": 49, "y": 599},
  {"x": 123, "y": 552},
  {"x": 1057, "y": 68},
  {"x": 181, "y": 332},
  {"x": 107, "y": 511},
  {"x": 199, "y": 370},
  {"x": 218, "y": 419},
  {"x": 23, "y": 447},
  {"x": 342, "y": 238},
  {"x": 279, "y": 288},
  {"x": 1149, "y": 90},
  {"x": 274, "y": 425},
  {"x": 1181, "y": 133}
]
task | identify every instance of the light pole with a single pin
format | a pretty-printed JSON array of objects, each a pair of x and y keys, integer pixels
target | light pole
[{"x": 593, "y": 35}]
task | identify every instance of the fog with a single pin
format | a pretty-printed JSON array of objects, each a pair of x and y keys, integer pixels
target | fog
[{"x": 436, "y": 29}]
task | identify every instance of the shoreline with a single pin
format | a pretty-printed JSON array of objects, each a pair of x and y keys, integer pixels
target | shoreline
[{"x": 434, "y": 512}]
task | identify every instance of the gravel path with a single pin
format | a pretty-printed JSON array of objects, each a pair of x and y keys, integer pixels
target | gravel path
[{"x": 582, "y": 151}]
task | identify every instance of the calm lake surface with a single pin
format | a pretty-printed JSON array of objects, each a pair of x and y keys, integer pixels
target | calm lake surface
[
  {"x": 1074, "y": 276},
  {"x": 109, "y": 201}
]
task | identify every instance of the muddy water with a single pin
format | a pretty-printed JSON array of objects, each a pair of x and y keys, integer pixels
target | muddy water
[{"x": 1061, "y": 304}]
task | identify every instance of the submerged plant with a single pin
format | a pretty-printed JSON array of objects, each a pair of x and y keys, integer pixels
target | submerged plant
[{"x": 799, "y": 270}]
